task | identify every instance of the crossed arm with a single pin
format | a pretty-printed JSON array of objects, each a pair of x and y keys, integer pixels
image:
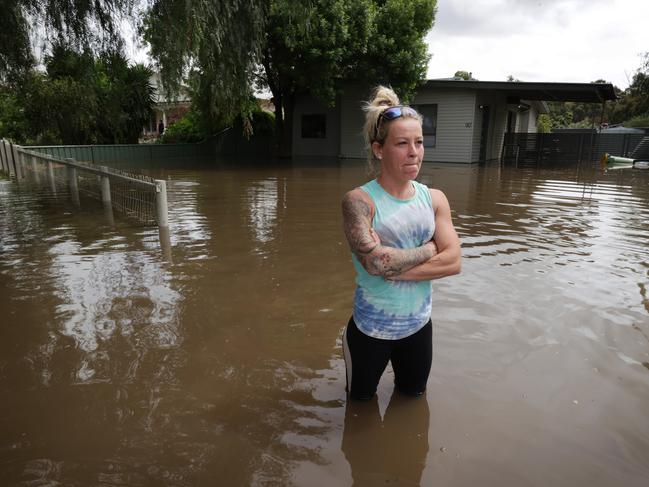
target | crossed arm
[
  {"x": 448, "y": 259},
  {"x": 377, "y": 259},
  {"x": 435, "y": 259}
]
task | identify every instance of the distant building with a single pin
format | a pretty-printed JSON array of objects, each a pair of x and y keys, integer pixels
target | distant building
[
  {"x": 167, "y": 108},
  {"x": 464, "y": 121}
]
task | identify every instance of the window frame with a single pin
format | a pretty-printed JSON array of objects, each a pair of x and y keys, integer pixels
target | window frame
[
  {"x": 310, "y": 123},
  {"x": 430, "y": 135}
]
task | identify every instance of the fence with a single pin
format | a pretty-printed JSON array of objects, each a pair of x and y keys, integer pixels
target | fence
[
  {"x": 566, "y": 148},
  {"x": 107, "y": 154},
  {"x": 135, "y": 195},
  {"x": 228, "y": 142}
]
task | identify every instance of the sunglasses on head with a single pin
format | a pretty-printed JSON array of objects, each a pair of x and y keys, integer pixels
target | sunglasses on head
[{"x": 394, "y": 113}]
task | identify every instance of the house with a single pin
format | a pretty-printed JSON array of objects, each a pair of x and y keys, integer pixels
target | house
[
  {"x": 464, "y": 121},
  {"x": 167, "y": 108}
]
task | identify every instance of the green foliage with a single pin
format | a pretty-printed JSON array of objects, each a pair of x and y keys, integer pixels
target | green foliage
[
  {"x": 288, "y": 47},
  {"x": 84, "y": 23},
  {"x": 125, "y": 99},
  {"x": 13, "y": 123},
  {"x": 186, "y": 130},
  {"x": 311, "y": 46},
  {"x": 261, "y": 123},
  {"x": 630, "y": 109},
  {"x": 396, "y": 51},
  {"x": 569, "y": 115},
  {"x": 633, "y": 103},
  {"x": 190, "y": 128},
  {"x": 544, "y": 123},
  {"x": 15, "y": 51},
  {"x": 317, "y": 46},
  {"x": 79, "y": 100},
  {"x": 638, "y": 121},
  {"x": 217, "y": 43},
  {"x": 465, "y": 75}
]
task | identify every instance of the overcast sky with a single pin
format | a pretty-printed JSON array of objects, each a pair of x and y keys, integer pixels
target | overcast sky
[{"x": 540, "y": 40}]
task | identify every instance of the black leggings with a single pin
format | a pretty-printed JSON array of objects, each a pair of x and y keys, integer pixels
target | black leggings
[{"x": 366, "y": 358}]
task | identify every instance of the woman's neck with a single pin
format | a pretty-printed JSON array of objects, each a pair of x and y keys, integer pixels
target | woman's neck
[{"x": 402, "y": 190}]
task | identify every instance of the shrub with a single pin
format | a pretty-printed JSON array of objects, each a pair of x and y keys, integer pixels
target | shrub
[
  {"x": 638, "y": 121},
  {"x": 185, "y": 130}
]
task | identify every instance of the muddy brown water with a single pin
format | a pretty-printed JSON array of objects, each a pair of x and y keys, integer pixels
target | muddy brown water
[{"x": 224, "y": 367}]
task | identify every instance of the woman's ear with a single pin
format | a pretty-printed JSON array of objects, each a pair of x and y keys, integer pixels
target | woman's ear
[{"x": 377, "y": 150}]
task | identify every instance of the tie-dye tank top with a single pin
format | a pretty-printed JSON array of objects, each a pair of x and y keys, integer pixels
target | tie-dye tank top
[{"x": 395, "y": 309}]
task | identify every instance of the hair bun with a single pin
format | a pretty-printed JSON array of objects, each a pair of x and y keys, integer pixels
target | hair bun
[{"x": 384, "y": 97}]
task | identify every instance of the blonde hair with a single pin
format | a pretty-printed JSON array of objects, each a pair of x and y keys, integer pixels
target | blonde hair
[{"x": 382, "y": 98}]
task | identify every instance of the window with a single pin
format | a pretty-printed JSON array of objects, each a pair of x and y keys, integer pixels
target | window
[
  {"x": 429, "y": 125},
  {"x": 314, "y": 126}
]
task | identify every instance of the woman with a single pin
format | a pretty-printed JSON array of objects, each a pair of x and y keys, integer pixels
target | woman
[{"x": 401, "y": 236}]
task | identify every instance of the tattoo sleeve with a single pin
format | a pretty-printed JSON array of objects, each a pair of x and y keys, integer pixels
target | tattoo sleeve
[
  {"x": 357, "y": 216},
  {"x": 377, "y": 259}
]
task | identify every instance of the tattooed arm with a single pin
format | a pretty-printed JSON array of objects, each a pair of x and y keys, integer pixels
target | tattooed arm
[
  {"x": 448, "y": 259},
  {"x": 377, "y": 259}
]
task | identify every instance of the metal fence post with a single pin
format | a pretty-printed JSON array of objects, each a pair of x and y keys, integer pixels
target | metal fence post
[
  {"x": 20, "y": 169},
  {"x": 105, "y": 187},
  {"x": 162, "y": 212},
  {"x": 10, "y": 159},
  {"x": 35, "y": 169},
  {"x": 73, "y": 183},
  {"x": 50, "y": 176},
  {"x": 165, "y": 243},
  {"x": 3, "y": 157}
]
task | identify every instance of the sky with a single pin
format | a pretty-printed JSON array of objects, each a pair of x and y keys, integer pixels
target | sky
[{"x": 540, "y": 40}]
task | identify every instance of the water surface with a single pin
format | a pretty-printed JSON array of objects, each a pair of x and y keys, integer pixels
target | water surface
[{"x": 221, "y": 363}]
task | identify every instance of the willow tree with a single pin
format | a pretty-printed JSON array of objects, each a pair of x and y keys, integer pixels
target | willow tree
[
  {"x": 214, "y": 44},
  {"x": 84, "y": 23}
]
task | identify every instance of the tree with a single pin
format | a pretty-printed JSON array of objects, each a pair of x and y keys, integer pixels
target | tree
[
  {"x": 630, "y": 109},
  {"x": 331, "y": 42},
  {"x": 465, "y": 75},
  {"x": 79, "y": 100},
  {"x": 85, "y": 23},
  {"x": 396, "y": 51},
  {"x": 310, "y": 48},
  {"x": 287, "y": 47},
  {"x": 125, "y": 98},
  {"x": 633, "y": 103},
  {"x": 544, "y": 123},
  {"x": 216, "y": 45}
]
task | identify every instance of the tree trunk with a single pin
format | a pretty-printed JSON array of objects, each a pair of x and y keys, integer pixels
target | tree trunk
[{"x": 284, "y": 101}]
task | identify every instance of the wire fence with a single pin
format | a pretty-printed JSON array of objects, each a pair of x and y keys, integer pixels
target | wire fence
[
  {"x": 136, "y": 195},
  {"x": 567, "y": 148}
]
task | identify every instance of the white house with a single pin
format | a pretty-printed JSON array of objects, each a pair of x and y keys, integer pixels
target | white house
[
  {"x": 464, "y": 121},
  {"x": 166, "y": 109}
]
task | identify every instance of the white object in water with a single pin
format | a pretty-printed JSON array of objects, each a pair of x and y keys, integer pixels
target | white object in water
[{"x": 641, "y": 164}]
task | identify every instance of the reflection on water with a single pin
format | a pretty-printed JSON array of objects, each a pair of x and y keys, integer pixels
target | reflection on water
[
  {"x": 261, "y": 201},
  {"x": 131, "y": 357},
  {"x": 390, "y": 450}
]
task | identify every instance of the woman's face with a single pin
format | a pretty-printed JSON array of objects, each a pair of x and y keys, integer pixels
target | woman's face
[{"x": 402, "y": 150}]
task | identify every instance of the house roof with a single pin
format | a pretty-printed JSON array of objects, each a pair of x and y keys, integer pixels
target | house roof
[{"x": 521, "y": 90}]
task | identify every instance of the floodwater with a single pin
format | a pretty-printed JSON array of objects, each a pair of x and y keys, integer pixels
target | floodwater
[{"x": 221, "y": 363}]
